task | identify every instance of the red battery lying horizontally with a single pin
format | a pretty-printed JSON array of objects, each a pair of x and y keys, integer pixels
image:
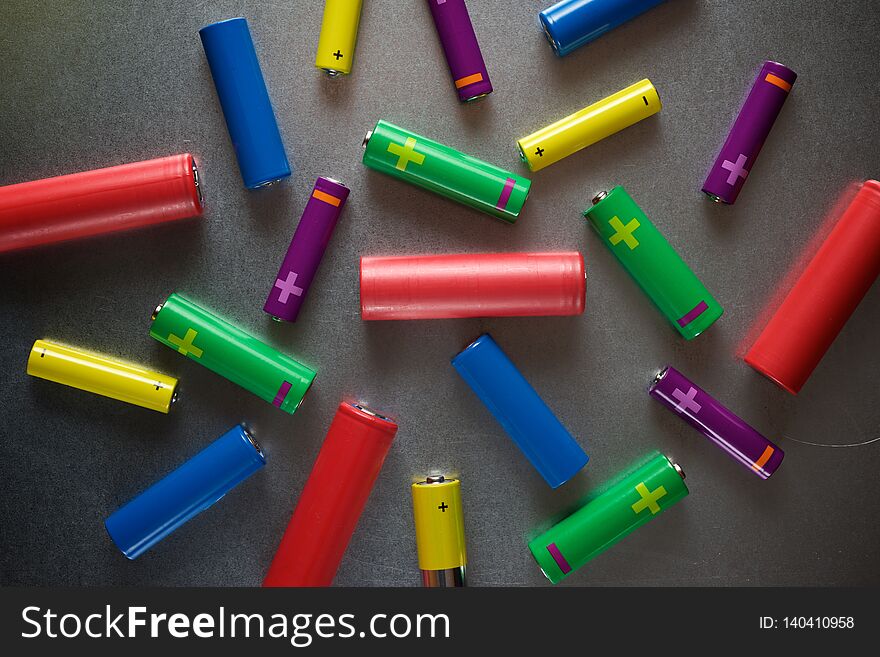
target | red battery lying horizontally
[
  {"x": 825, "y": 295},
  {"x": 472, "y": 285},
  {"x": 101, "y": 201},
  {"x": 333, "y": 498}
]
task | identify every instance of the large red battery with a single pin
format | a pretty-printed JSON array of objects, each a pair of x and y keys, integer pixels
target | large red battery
[
  {"x": 825, "y": 295},
  {"x": 472, "y": 285},
  {"x": 101, "y": 201},
  {"x": 333, "y": 498}
]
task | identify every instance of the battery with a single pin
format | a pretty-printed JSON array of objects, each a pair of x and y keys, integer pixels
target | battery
[
  {"x": 570, "y": 24},
  {"x": 230, "y": 352},
  {"x": 472, "y": 285},
  {"x": 333, "y": 498},
  {"x": 456, "y": 32},
  {"x": 100, "y": 201},
  {"x": 185, "y": 492},
  {"x": 525, "y": 417},
  {"x": 708, "y": 416},
  {"x": 245, "y": 102},
  {"x": 304, "y": 254},
  {"x": 339, "y": 31},
  {"x": 589, "y": 125},
  {"x": 608, "y": 518},
  {"x": 756, "y": 117},
  {"x": 102, "y": 376},
  {"x": 823, "y": 298},
  {"x": 445, "y": 171},
  {"x": 653, "y": 263},
  {"x": 439, "y": 525}
]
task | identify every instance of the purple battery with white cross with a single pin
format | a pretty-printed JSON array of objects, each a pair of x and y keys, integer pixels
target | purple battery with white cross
[
  {"x": 306, "y": 249},
  {"x": 752, "y": 125},
  {"x": 708, "y": 416},
  {"x": 463, "y": 55}
]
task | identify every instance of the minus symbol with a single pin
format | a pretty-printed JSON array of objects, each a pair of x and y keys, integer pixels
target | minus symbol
[{"x": 644, "y": 98}]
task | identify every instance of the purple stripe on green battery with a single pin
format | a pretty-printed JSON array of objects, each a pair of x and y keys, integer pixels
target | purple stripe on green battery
[
  {"x": 456, "y": 32},
  {"x": 691, "y": 315},
  {"x": 306, "y": 249},
  {"x": 754, "y": 122},
  {"x": 509, "y": 184},
  {"x": 708, "y": 416},
  {"x": 559, "y": 559},
  {"x": 282, "y": 394}
]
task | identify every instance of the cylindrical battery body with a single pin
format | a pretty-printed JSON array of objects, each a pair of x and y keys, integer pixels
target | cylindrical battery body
[
  {"x": 339, "y": 31},
  {"x": 589, "y": 125},
  {"x": 333, "y": 498},
  {"x": 653, "y": 263},
  {"x": 245, "y": 102},
  {"x": 756, "y": 117},
  {"x": 525, "y": 417},
  {"x": 445, "y": 171},
  {"x": 100, "y": 201},
  {"x": 439, "y": 523},
  {"x": 608, "y": 518},
  {"x": 304, "y": 254},
  {"x": 456, "y": 32},
  {"x": 823, "y": 298},
  {"x": 708, "y": 416},
  {"x": 102, "y": 376},
  {"x": 185, "y": 492},
  {"x": 472, "y": 285},
  {"x": 570, "y": 24},
  {"x": 230, "y": 352}
]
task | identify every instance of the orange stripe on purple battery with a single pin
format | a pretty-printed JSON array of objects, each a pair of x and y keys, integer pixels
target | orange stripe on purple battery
[
  {"x": 505, "y": 193},
  {"x": 698, "y": 310},
  {"x": 469, "y": 79},
  {"x": 282, "y": 393},
  {"x": 327, "y": 198},
  {"x": 762, "y": 460},
  {"x": 778, "y": 82},
  {"x": 558, "y": 558}
]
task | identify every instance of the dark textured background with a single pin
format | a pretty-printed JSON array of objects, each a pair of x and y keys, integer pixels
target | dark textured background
[{"x": 92, "y": 84}]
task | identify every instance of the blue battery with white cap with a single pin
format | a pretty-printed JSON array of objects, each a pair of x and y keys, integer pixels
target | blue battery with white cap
[
  {"x": 185, "y": 492},
  {"x": 525, "y": 417},
  {"x": 245, "y": 102}
]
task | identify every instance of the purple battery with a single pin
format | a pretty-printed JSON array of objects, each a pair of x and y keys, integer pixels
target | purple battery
[
  {"x": 705, "y": 414},
  {"x": 752, "y": 125},
  {"x": 461, "y": 48},
  {"x": 306, "y": 249}
]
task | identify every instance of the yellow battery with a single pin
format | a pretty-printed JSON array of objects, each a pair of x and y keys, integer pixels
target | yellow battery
[
  {"x": 339, "y": 30},
  {"x": 102, "y": 376},
  {"x": 589, "y": 125},
  {"x": 440, "y": 531}
]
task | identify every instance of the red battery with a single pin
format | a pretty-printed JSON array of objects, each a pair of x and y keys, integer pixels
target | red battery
[
  {"x": 101, "y": 201},
  {"x": 472, "y": 285},
  {"x": 825, "y": 295},
  {"x": 333, "y": 498}
]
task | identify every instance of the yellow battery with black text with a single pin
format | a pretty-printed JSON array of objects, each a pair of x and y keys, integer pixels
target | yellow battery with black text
[
  {"x": 591, "y": 124},
  {"x": 440, "y": 531},
  {"x": 102, "y": 376},
  {"x": 339, "y": 30}
]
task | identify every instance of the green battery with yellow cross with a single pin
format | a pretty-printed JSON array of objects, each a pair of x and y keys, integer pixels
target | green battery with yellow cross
[
  {"x": 608, "y": 518},
  {"x": 230, "y": 352},
  {"x": 653, "y": 263},
  {"x": 445, "y": 171}
]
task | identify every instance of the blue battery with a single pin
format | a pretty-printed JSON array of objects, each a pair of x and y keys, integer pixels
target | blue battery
[
  {"x": 570, "y": 24},
  {"x": 185, "y": 492},
  {"x": 523, "y": 414},
  {"x": 245, "y": 102}
]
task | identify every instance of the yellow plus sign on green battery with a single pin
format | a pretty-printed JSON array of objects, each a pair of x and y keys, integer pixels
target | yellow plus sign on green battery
[
  {"x": 185, "y": 345},
  {"x": 649, "y": 499},
  {"x": 405, "y": 153},
  {"x": 624, "y": 233}
]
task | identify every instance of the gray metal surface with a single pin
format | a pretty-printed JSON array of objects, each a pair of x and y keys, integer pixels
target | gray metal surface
[{"x": 91, "y": 84}]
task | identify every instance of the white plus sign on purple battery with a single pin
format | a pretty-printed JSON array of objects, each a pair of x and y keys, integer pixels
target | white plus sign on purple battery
[
  {"x": 737, "y": 169},
  {"x": 288, "y": 287},
  {"x": 686, "y": 401}
]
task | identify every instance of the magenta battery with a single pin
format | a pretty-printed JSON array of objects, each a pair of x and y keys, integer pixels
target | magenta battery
[
  {"x": 756, "y": 117},
  {"x": 708, "y": 416},
  {"x": 306, "y": 249},
  {"x": 463, "y": 55}
]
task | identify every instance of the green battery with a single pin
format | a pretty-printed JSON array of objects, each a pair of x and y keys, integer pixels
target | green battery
[
  {"x": 445, "y": 171},
  {"x": 653, "y": 263},
  {"x": 231, "y": 353},
  {"x": 608, "y": 518}
]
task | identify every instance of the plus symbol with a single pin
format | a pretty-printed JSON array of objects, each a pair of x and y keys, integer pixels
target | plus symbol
[
  {"x": 337, "y": 55},
  {"x": 185, "y": 345},
  {"x": 624, "y": 233},
  {"x": 288, "y": 287},
  {"x": 539, "y": 152},
  {"x": 686, "y": 401},
  {"x": 443, "y": 506},
  {"x": 737, "y": 169},
  {"x": 406, "y": 153},
  {"x": 649, "y": 499}
]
